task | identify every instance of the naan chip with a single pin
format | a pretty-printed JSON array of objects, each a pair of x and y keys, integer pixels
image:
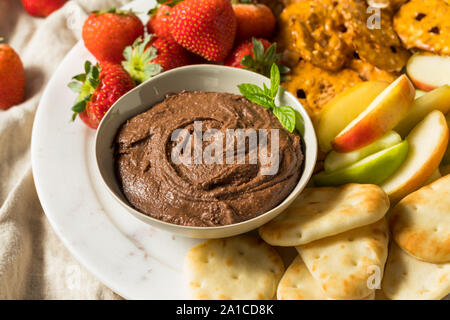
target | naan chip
[
  {"x": 322, "y": 212},
  {"x": 420, "y": 222},
  {"x": 348, "y": 265},
  {"x": 407, "y": 278},
  {"x": 242, "y": 267},
  {"x": 298, "y": 284}
]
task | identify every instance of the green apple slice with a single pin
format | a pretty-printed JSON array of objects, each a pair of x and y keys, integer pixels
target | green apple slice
[
  {"x": 335, "y": 160},
  {"x": 373, "y": 169}
]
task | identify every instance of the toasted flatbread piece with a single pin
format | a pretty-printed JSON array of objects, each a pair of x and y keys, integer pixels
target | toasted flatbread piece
[
  {"x": 420, "y": 222},
  {"x": 407, "y": 278},
  {"x": 345, "y": 265},
  {"x": 242, "y": 267},
  {"x": 298, "y": 284},
  {"x": 322, "y": 212}
]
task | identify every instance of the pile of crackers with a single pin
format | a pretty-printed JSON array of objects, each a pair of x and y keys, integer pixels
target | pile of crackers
[
  {"x": 332, "y": 45},
  {"x": 349, "y": 245}
]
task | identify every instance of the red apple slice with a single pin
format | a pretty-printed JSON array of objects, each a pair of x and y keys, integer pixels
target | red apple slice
[
  {"x": 428, "y": 71},
  {"x": 427, "y": 144},
  {"x": 381, "y": 116}
]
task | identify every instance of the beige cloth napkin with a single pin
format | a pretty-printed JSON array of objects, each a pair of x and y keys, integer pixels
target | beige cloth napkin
[{"x": 34, "y": 264}]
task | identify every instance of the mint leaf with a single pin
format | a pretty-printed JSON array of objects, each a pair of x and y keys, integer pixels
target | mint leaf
[
  {"x": 274, "y": 80},
  {"x": 247, "y": 89},
  {"x": 262, "y": 100},
  {"x": 286, "y": 115},
  {"x": 266, "y": 90}
]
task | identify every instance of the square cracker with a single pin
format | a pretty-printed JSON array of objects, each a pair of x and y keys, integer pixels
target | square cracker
[
  {"x": 406, "y": 278},
  {"x": 298, "y": 284},
  {"x": 322, "y": 212},
  {"x": 242, "y": 267},
  {"x": 420, "y": 222},
  {"x": 348, "y": 265}
]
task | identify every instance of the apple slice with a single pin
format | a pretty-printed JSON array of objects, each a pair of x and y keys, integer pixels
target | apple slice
[
  {"x": 419, "y": 93},
  {"x": 428, "y": 71},
  {"x": 373, "y": 169},
  {"x": 446, "y": 158},
  {"x": 381, "y": 116},
  {"x": 335, "y": 160},
  {"x": 434, "y": 176},
  {"x": 438, "y": 99},
  {"x": 345, "y": 107},
  {"x": 427, "y": 143}
]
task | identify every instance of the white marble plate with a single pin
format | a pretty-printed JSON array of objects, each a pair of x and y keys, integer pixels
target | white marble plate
[{"x": 130, "y": 257}]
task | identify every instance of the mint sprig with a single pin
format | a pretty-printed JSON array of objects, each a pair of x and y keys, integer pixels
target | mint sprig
[{"x": 265, "y": 97}]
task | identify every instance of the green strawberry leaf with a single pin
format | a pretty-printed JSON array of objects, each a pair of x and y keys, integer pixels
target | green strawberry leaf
[
  {"x": 80, "y": 77},
  {"x": 262, "y": 60},
  {"x": 79, "y": 106},
  {"x": 258, "y": 49},
  {"x": 87, "y": 66},
  {"x": 286, "y": 115},
  {"x": 75, "y": 86},
  {"x": 138, "y": 60}
]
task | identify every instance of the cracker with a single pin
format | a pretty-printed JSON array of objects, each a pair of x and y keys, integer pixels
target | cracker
[
  {"x": 242, "y": 267},
  {"x": 424, "y": 25},
  {"x": 394, "y": 4},
  {"x": 346, "y": 265},
  {"x": 420, "y": 222},
  {"x": 406, "y": 278},
  {"x": 369, "y": 72},
  {"x": 316, "y": 31},
  {"x": 315, "y": 87},
  {"x": 298, "y": 284},
  {"x": 322, "y": 212},
  {"x": 380, "y": 47}
]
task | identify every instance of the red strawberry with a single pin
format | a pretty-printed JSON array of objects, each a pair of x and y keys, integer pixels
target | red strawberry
[
  {"x": 107, "y": 33},
  {"x": 159, "y": 21},
  {"x": 254, "y": 20},
  {"x": 205, "y": 27},
  {"x": 256, "y": 55},
  {"x": 42, "y": 8},
  {"x": 12, "y": 78},
  {"x": 150, "y": 56},
  {"x": 98, "y": 89}
]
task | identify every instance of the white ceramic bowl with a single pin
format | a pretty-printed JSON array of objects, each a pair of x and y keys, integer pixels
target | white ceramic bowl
[{"x": 192, "y": 78}]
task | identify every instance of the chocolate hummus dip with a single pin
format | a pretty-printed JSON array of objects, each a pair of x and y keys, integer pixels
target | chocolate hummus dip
[{"x": 199, "y": 194}]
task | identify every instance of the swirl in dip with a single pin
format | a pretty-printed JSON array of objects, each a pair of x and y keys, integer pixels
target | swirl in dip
[{"x": 202, "y": 194}]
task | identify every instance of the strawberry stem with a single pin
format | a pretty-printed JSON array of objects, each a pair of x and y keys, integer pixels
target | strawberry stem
[
  {"x": 138, "y": 60},
  {"x": 84, "y": 84}
]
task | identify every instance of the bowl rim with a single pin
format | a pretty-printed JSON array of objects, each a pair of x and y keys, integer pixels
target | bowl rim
[{"x": 312, "y": 145}]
